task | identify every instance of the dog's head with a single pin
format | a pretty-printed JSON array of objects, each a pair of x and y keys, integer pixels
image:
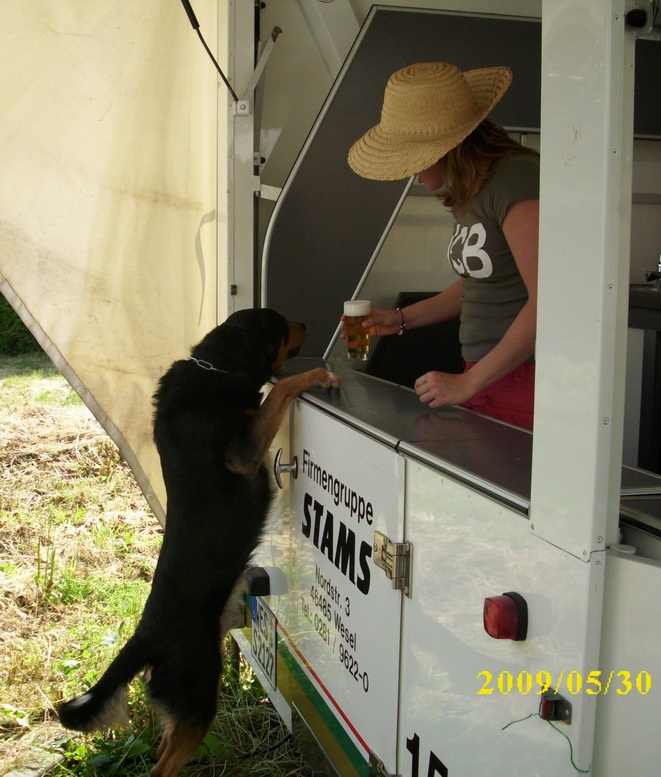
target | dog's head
[{"x": 256, "y": 342}]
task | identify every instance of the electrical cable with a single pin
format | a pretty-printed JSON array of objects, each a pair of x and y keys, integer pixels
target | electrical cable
[
  {"x": 571, "y": 748},
  {"x": 196, "y": 26}
]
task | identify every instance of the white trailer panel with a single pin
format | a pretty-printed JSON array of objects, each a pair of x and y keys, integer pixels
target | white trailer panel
[{"x": 470, "y": 702}]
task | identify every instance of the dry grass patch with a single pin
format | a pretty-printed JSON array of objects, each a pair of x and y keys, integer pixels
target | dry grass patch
[
  {"x": 77, "y": 550},
  {"x": 78, "y": 546}
]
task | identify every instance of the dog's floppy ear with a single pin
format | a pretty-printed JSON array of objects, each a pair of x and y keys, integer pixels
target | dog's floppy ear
[
  {"x": 290, "y": 345},
  {"x": 255, "y": 342},
  {"x": 267, "y": 331},
  {"x": 226, "y": 348}
]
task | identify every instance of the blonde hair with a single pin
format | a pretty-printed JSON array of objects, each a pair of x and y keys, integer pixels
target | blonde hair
[{"x": 470, "y": 163}]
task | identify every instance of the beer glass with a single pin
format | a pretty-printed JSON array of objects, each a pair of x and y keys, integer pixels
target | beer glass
[{"x": 358, "y": 339}]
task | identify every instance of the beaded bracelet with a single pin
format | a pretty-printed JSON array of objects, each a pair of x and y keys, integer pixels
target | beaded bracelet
[{"x": 402, "y": 326}]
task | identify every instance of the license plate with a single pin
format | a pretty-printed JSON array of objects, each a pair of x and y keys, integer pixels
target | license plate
[{"x": 264, "y": 646}]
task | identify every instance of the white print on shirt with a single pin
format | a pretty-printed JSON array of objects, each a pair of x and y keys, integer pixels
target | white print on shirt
[{"x": 466, "y": 253}]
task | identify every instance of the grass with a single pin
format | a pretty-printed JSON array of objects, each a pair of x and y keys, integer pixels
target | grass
[{"x": 78, "y": 546}]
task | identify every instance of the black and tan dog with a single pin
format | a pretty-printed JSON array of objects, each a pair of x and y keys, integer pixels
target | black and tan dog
[{"x": 212, "y": 431}]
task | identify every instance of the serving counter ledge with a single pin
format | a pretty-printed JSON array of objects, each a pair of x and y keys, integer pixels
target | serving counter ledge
[{"x": 490, "y": 456}]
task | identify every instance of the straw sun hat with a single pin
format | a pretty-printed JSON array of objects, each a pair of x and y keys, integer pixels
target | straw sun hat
[{"x": 428, "y": 109}]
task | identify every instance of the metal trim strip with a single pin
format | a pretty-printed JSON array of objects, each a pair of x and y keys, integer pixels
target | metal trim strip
[{"x": 489, "y": 489}]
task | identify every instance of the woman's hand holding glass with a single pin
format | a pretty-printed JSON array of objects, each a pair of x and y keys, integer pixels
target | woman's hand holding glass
[{"x": 382, "y": 322}]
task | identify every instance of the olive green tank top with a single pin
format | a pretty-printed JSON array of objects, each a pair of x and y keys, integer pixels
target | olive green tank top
[{"x": 494, "y": 291}]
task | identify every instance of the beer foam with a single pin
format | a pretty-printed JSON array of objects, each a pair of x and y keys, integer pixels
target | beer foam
[{"x": 357, "y": 307}]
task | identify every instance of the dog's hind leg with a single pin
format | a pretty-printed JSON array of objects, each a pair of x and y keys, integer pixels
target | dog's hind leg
[
  {"x": 184, "y": 692},
  {"x": 179, "y": 742}
]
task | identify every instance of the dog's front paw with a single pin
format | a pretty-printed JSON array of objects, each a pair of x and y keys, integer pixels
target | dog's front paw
[
  {"x": 331, "y": 381},
  {"x": 321, "y": 378}
]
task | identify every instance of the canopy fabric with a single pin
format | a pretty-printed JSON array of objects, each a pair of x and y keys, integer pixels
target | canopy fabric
[{"x": 108, "y": 190}]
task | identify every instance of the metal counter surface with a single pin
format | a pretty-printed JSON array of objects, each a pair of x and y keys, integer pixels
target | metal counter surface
[
  {"x": 640, "y": 504},
  {"x": 490, "y": 456},
  {"x": 644, "y": 307},
  {"x": 644, "y": 295},
  {"x": 487, "y": 455}
]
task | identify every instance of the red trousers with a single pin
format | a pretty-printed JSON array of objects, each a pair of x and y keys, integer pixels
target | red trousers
[{"x": 510, "y": 399}]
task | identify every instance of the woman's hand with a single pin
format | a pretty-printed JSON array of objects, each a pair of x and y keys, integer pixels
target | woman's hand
[
  {"x": 439, "y": 307},
  {"x": 437, "y": 389},
  {"x": 382, "y": 322}
]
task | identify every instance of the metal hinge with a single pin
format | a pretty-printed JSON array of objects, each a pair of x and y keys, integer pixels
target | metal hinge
[
  {"x": 396, "y": 560},
  {"x": 377, "y": 768}
]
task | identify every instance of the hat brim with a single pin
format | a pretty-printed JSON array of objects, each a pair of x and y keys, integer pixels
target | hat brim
[{"x": 384, "y": 156}]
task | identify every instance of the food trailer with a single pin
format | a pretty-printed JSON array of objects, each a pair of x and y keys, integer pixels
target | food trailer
[
  {"x": 404, "y": 535},
  {"x": 438, "y": 593}
]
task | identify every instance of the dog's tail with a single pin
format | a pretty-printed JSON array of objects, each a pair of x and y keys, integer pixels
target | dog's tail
[{"x": 104, "y": 705}]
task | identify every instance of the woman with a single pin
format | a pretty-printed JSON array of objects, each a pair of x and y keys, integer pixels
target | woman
[{"x": 433, "y": 125}]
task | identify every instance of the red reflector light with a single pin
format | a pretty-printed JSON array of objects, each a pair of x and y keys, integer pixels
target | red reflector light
[
  {"x": 552, "y": 706},
  {"x": 506, "y": 616}
]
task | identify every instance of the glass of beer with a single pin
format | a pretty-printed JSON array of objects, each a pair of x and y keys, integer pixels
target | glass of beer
[{"x": 357, "y": 338}]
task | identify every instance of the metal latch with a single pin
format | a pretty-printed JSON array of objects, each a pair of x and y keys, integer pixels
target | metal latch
[{"x": 396, "y": 560}]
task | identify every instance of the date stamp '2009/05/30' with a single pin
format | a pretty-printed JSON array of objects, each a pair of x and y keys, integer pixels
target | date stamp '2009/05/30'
[{"x": 574, "y": 682}]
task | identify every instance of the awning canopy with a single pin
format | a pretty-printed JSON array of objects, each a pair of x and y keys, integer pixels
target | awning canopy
[{"x": 108, "y": 143}]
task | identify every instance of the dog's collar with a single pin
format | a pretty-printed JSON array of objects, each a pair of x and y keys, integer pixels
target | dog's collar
[{"x": 206, "y": 365}]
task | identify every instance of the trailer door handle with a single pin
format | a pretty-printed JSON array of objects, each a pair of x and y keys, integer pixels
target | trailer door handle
[{"x": 280, "y": 468}]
